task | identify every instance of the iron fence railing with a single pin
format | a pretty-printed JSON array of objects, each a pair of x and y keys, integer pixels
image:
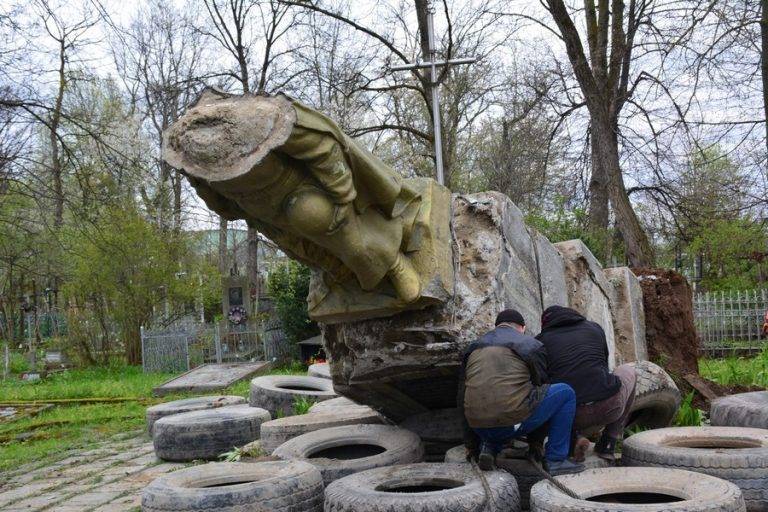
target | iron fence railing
[
  {"x": 731, "y": 320},
  {"x": 186, "y": 346}
]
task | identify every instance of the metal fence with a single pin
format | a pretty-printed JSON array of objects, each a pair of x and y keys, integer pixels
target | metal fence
[
  {"x": 186, "y": 346},
  {"x": 731, "y": 320}
]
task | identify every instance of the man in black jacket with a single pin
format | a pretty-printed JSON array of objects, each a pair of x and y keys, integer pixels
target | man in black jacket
[
  {"x": 577, "y": 354},
  {"x": 504, "y": 394}
]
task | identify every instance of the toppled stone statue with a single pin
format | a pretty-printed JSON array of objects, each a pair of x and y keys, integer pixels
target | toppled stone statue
[
  {"x": 406, "y": 275},
  {"x": 379, "y": 243}
]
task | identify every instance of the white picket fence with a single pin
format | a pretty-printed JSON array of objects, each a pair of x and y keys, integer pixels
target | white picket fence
[{"x": 731, "y": 320}]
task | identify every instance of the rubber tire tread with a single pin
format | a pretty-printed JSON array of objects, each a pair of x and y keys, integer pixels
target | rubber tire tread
[
  {"x": 356, "y": 493},
  {"x": 656, "y": 395},
  {"x": 208, "y": 433},
  {"x": 747, "y": 467},
  {"x": 719, "y": 495},
  {"x": 401, "y": 447},
  {"x": 741, "y": 410},
  {"x": 197, "y": 403},
  {"x": 289, "y": 487},
  {"x": 279, "y": 401}
]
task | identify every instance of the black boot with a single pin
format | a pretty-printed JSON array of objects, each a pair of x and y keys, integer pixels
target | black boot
[{"x": 605, "y": 448}]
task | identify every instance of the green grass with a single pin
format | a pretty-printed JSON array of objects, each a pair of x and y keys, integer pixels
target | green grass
[
  {"x": 744, "y": 371},
  {"x": 115, "y": 381},
  {"x": 47, "y": 436}
]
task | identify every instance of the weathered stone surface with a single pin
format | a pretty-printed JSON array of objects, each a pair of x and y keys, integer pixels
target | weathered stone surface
[
  {"x": 551, "y": 272},
  {"x": 407, "y": 363},
  {"x": 628, "y": 315},
  {"x": 589, "y": 291}
]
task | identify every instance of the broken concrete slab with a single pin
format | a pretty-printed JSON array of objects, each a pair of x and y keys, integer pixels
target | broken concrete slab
[
  {"x": 211, "y": 377},
  {"x": 408, "y": 363},
  {"x": 589, "y": 291},
  {"x": 628, "y": 315}
]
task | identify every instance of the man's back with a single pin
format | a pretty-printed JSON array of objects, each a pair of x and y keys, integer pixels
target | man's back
[
  {"x": 498, "y": 380},
  {"x": 577, "y": 354}
]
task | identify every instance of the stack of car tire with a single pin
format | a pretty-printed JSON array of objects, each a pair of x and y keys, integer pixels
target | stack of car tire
[{"x": 345, "y": 457}]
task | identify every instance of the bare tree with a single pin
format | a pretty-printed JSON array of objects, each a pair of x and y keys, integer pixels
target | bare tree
[
  {"x": 233, "y": 29},
  {"x": 604, "y": 79}
]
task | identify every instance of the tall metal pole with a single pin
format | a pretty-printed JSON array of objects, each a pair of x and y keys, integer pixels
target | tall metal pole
[{"x": 435, "y": 95}]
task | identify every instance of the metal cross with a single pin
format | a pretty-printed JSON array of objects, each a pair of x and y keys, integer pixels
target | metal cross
[{"x": 433, "y": 64}]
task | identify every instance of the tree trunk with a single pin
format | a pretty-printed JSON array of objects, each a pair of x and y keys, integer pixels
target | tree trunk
[
  {"x": 764, "y": 62},
  {"x": 638, "y": 248},
  {"x": 132, "y": 339},
  {"x": 223, "y": 249},
  {"x": 598, "y": 194},
  {"x": 252, "y": 268},
  {"x": 56, "y": 167}
]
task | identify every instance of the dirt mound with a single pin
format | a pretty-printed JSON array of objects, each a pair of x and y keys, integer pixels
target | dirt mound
[
  {"x": 671, "y": 334},
  {"x": 670, "y": 331}
]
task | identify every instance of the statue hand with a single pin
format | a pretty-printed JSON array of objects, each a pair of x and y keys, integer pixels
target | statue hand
[{"x": 340, "y": 217}]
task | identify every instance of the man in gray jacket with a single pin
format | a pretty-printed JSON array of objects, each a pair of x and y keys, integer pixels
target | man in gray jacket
[{"x": 504, "y": 394}]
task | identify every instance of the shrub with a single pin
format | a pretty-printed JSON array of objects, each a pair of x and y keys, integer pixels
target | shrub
[{"x": 288, "y": 284}]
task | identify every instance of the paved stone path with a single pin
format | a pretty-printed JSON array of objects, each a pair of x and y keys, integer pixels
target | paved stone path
[{"x": 107, "y": 478}]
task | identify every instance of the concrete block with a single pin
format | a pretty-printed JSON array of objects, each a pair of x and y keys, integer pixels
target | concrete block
[
  {"x": 589, "y": 291},
  {"x": 551, "y": 272},
  {"x": 628, "y": 315}
]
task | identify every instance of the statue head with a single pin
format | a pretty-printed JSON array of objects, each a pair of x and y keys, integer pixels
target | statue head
[{"x": 223, "y": 136}]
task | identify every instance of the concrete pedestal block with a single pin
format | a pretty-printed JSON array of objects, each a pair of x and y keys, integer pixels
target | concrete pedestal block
[
  {"x": 628, "y": 315},
  {"x": 589, "y": 291}
]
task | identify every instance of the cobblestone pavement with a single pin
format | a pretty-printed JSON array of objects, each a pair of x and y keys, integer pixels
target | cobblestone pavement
[{"x": 108, "y": 477}]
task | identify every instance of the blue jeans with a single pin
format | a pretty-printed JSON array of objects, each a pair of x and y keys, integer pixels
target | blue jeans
[{"x": 557, "y": 408}]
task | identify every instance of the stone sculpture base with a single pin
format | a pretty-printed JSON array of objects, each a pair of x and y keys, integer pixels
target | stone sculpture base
[
  {"x": 408, "y": 363},
  {"x": 427, "y": 247}
]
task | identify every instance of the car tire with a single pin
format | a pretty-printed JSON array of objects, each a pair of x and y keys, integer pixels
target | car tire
[
  {"x": 742, "y": 410},
  {"x": 206, "y": 434},
  {"x": 197, "y": 403},
  {"x": 276, "y": 432},
  {"x": 284, "y": 486},
  {"x": 319, "y": 370},
  {"x": 736, "y": 454},
  {"x": 447, "y": 488},
  {"x": 615, "y": 490},
  {"x": 657, "y": 398},
  {"x": 341, "y": 451},
  {"x": 278, "y": 393}
]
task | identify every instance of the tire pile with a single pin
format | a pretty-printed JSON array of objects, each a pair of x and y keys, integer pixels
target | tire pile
[{"x": 344, "y": 457}]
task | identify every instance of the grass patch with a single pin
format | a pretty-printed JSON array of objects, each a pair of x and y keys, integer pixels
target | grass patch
[
  {"x": 730, "y": 371},
  {"x": 47, "y": 436}
]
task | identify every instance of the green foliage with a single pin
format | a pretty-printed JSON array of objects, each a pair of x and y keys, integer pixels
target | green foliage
[
  {"x": 288, "y": 286},
  {"x": 742, "y": 371},
  {"x": 688, "y": 415},
  {"x": 301, "y": 405},
  {"x": 234, "y": 455},
  {"x": 291, "y": 368},
  {"x": 127, "y": 265},
  {"x": 114, "y": 381},
  {"x": 565, "y": 223},
  {"x": 727, "y": 246}
]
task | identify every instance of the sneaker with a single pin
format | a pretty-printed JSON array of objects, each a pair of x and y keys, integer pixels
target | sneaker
[
  {"x": 564, "y": 467},
  {"x": 486, "y": 459},
  {"x": 580, "y": 449}
]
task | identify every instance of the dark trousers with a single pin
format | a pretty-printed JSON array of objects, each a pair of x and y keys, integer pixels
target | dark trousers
[{"x": 612, "y": 412}]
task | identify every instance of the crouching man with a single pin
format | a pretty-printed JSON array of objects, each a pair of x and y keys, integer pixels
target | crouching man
[
  {"x": 577, "y": 354},
  {"x": 504, "y": 394}
]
